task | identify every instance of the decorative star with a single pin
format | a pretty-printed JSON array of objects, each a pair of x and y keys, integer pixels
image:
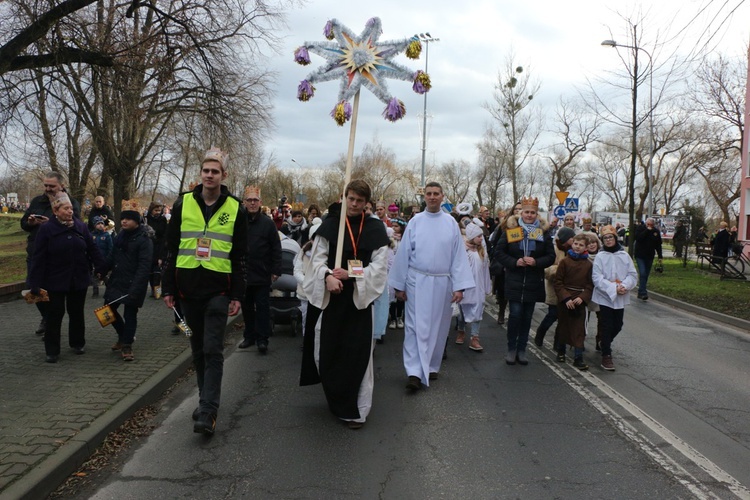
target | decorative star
[{"x": 359, "y": 61}]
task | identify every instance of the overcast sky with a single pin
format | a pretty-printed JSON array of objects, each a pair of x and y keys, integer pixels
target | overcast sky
[{"x": 559, "y": 42}]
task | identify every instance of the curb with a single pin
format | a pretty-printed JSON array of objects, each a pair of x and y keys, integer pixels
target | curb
[
  {"x": 52, "y": 472},
  {"x": 701, "y": 311}
]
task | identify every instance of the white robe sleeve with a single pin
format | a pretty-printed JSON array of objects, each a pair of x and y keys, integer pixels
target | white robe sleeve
[
  {"x": 461, "y": 276},
  {"x": 400, "y": 268},
  {"x": 369, "y": 288},
  {"x": 314, "y": 283}
]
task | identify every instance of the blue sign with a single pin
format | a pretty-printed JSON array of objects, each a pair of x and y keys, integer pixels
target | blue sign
[
  {"x": 571, "y": 204},
  {"x": 559, "y": 211}
]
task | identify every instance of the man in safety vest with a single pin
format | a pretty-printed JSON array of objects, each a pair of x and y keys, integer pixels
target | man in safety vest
[{"x": 205, "y": 267}]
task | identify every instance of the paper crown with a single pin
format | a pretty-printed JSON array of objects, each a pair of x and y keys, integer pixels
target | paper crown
[
  {"x": 60, "y": 199},
  {"x": 130, "y": 205},
  {"x": 252, "y": 192},
  {"x": 216, "y": 154},
  {"x": 530, "y": 203},
  {"x": 586, "y": 220}
]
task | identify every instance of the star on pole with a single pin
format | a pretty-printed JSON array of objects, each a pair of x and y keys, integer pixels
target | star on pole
[{"x": 360, "y": 61}]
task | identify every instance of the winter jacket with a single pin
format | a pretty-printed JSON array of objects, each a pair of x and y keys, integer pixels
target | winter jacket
[
  {"x": 105, "y": 213},
  {"x": 263, "y": 250},
  {"x": 41, "y": 205},
  {"x": 609, "y": 268},
  {"x": 202, "y": 283},
  {"x": 159, "y": 225},
  {"x": 103, "y": 240},
  {"x": 720, "y": 243},
  {"x": 647, "y": 242},
  {"x": 63, "y": 256},
  {"x": 130, "y": 262},
  {"x": 526, "y": 283}
]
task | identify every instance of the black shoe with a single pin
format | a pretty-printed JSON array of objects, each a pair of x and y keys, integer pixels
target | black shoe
[
  {"x": 206, "y": 423},
  {"x": 245, "y": 344},
  {"x": 539, "y": 339},
  {"x": 79, "y": 350},
  {"x": 196, "y": 413},
  {"x": 42, "y": 328},
  {"x": 355, "y": 425},
  {"x": 413, "y": 384},
  {"x": 51, "y": 358},
  {"x": 580, "y": 364},
  {"x": 433, "y": 376},
  {"x": 262, "y": 346},
  {"x": 379, "y": 341},
  {"x": 561, "y": 357}
]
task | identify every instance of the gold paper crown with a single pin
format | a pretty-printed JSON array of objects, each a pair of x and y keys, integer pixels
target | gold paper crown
[
  {"x": 216, "y": 154},
  {"x": 130, "y": 205},
  {"x": 252, "y": 192},
  {"x": 530, "y": 203}
]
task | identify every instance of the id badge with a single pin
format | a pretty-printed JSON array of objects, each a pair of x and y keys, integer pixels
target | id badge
[
  {"x": 203, "y": 249},
  {"x": 356, "y": 270}
]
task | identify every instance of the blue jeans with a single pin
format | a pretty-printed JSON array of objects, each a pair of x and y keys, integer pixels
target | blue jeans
[
  {"x": 207, "y": 319},
  {"x": 256, "y": 311},
  {"x": 519, "y": 324},
  {"x": 644, "y": 269}
]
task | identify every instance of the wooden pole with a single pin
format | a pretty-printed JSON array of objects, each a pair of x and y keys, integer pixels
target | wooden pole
[{"x": 347, "y": 179}]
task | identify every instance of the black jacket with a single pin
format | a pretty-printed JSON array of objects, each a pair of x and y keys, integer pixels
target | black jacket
[
  {"x": 201, "y": 283},
  {"x": 263, "y": 250},
  {"x": 130, "y": 262},
  {"x": 647, "y": 242},
  {"x": 100, "y": 212},
  {"x": 720, "y": 243},
  {"x": 159, "y": 225},
  {"x": 41, "y": 205},
  {"x": 526, "y": 283}
]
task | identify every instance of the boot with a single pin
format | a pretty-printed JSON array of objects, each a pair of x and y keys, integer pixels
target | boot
[
  {"x": 522, "y": 359},
  {"x": 510, "y": 358},
  {"x": 474, "y": 344}
]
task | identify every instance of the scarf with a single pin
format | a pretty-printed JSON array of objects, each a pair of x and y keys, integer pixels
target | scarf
[
  {"x": 578, "y": 256},
  {"x": 613, "y": 249},
  {"x": 66, "y": 223},
  {"x": 531, "y": 234}
]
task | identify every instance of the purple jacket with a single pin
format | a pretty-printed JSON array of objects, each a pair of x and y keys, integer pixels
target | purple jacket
[{"x": 63, "y": 257}]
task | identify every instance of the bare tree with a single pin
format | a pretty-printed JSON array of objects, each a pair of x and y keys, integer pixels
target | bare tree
[
  {"x": 608, "y": 169},
  {"x": 492, "y": 173},
  {"x": 519, "y": 125},
  {"x": 455, "y": 177}
]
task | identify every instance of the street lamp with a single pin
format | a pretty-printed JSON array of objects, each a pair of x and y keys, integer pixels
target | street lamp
[
  {"x": 612, "y": 43},
  {"x": 298, "y": 164},
  {"x": 425, "y": 38}
]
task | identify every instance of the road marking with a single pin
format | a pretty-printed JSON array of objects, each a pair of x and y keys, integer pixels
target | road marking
[{"x": 644, "y": 443}]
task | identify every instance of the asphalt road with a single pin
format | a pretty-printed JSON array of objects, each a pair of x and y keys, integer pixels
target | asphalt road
[{"x": 671, "y": 422}]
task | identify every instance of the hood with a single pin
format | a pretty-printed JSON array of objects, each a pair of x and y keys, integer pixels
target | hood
[{"x": 513, "y": 222}]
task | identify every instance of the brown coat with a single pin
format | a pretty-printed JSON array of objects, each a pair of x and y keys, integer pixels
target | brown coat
[{"x": 573, "y": 279}]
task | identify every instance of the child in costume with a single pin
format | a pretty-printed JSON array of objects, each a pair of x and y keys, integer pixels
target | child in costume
[
  {"x": 573, "y": 287},
  {"x": 472, "y": 305}
]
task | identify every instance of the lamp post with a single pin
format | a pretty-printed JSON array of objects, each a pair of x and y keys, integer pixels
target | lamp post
[
  {"x": 298, "y": 164},
  {"x": 612, "y": 43},
  {"x": 425, "y": 38}
]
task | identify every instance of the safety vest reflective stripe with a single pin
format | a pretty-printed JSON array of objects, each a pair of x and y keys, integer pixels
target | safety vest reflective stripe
[
  {"x": 219, "y": 230},
  {"x": 208, "y": 234},
  {"x": 214, "y": 253}
]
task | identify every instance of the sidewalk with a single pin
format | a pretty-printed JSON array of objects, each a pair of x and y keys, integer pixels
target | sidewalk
[{"x": 55, "y": 415}]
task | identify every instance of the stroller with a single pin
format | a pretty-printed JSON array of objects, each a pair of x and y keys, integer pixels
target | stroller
[{"x": 284, "y": 304}]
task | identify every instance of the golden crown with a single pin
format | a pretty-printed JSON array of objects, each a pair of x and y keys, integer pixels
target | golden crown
[{"x": 530, "y": 203}]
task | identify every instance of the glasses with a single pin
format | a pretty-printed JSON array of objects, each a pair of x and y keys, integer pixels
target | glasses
[
  {"x": 51, "y": 186},
  {"x": 252, "y": 200},
  {"x": 608, "y": 237}
]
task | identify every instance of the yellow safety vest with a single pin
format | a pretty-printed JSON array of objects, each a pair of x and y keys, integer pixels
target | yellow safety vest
[{"x": 219, "y": 229}]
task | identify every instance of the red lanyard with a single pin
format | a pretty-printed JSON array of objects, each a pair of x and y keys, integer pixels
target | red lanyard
[{"x": 351, "y": 235}]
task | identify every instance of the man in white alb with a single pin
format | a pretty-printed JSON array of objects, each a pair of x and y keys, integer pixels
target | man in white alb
[{"x": 430, "y": 271}]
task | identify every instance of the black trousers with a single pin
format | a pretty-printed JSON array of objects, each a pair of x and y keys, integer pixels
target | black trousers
[{"x": 59, "y": 302}]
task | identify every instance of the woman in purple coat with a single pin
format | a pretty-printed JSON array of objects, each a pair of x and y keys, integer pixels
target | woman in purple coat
[{"x": 63, "y": 255}]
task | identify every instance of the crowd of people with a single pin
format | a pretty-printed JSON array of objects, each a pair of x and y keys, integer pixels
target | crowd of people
[{"x": 360, "y": 268}]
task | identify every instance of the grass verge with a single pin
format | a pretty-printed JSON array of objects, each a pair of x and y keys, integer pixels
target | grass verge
[
  {"x": 12, "y": 249},
  {"x": 701, "y": 288}
]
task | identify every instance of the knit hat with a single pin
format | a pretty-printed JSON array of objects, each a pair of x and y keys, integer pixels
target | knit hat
[
  {"x": 60, "y": 199},
  {"x": 472, "y": 231},
  {"x": 393, "y": 208},
  {"x": 314, "y": 226},
  {"x": 97, "y": 220},
  {"x": 607, "y": 230},
  {"x": 564, "y": 234}
]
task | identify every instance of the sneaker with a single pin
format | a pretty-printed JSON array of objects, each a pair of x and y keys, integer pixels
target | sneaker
[
  {"x": 510, "y": 358},
  {"x": 521, "y": 358},
  {"x": 157, "y": 292},
  {"x": 392, "y": 324},
  {"x": 561, "y": 357},
  {"x": 42, "y": 328},
  {"x": 474, "y": 344},
  {"x": 116, "y": 346},
  {"x": 127, "y": 353},
  {"x": 206, "y": 424},
  {"x": 399, "y": 323},
  {"x": 461, "y": 337},
  {"x": 607, "y": 363},
  {"x": 354, "y": 425},
  {"x": 580, "y": 364}
]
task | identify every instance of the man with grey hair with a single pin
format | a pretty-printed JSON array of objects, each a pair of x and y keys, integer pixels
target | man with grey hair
[
  {"x": 39, "y": 212},
  {"x": 647, "y": 243}
]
